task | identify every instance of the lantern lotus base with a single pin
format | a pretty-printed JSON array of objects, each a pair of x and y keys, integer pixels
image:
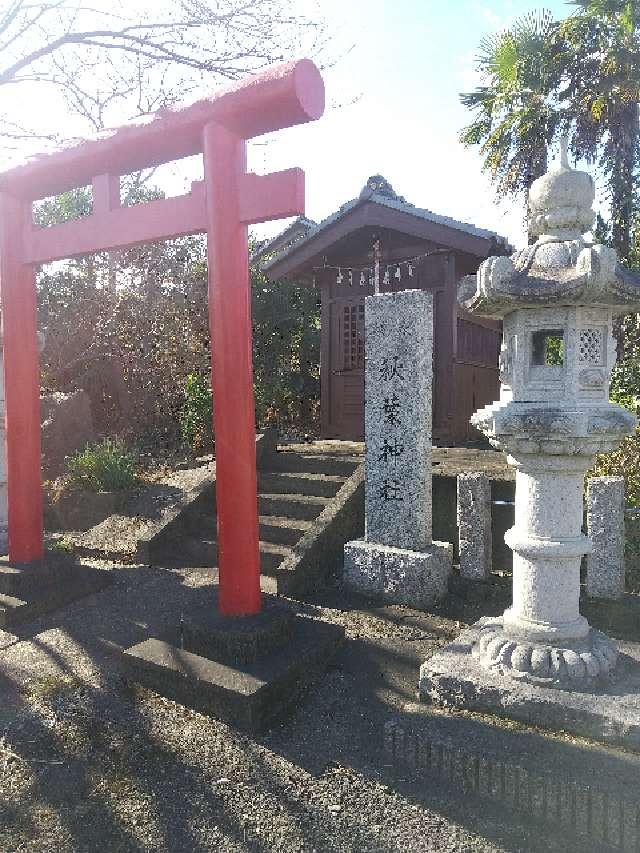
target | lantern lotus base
[
  {"x": 601, "y": 708},
  {"x": 574, "y": 664}
]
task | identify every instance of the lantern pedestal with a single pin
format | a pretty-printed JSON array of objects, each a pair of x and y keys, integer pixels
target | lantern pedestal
[{"x": 456, "y": 678}]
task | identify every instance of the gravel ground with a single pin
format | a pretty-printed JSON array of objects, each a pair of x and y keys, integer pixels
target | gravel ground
[{"x": 89, "y": 763}]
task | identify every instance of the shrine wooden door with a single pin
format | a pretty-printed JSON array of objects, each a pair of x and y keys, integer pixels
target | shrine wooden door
[{"x": 344, "y": 416}]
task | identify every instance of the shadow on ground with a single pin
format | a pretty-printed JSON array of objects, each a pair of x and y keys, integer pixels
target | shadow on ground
[{"x": 90, "y": 763}]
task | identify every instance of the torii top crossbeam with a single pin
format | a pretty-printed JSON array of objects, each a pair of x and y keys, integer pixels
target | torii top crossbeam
[{"x": 222, "y": 206}]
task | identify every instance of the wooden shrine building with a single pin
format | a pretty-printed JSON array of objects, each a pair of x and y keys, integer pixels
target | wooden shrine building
[{"x": 380, "y": 236}]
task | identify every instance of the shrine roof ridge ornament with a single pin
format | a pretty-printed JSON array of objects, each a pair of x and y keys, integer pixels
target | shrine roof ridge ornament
[{"x": 283, "y": 95}]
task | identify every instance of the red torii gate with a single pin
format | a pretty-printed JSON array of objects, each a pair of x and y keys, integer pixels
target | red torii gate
[{"x": 223, "y": 205}]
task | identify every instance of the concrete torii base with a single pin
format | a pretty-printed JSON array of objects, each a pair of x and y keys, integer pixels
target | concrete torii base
[
  {"x": 246, "y": 671},
  {"x": 28, "y": 590}
]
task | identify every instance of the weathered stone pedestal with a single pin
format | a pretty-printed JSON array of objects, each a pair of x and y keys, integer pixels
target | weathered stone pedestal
[
  {"x": 542, "y": 662},
  {"x": 414, "y": 578},
  {"x": 248, "y": 671},
  {"x": 607, "y": 710},
  {"x": 397, "y": 560}
]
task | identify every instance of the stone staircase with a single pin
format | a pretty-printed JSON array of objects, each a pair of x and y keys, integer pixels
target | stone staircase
[{"x": 309, "y": 503}]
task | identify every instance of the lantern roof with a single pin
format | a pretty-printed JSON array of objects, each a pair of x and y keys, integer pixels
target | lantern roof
[{"x": 561, "y": 267}]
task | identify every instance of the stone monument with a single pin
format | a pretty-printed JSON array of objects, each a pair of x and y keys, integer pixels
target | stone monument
[
  {"x": 605, "y": 525},
  {"x": 542, "y": 661},
  {"x": 473, "y": 514},
  {"x": 398, "y": 560}
]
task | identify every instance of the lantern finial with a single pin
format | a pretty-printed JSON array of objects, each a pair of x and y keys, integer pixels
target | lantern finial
[{"x": 564, "y": 152}]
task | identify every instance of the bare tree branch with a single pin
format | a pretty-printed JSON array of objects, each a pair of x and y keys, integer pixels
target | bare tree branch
[{"x": 110, "y": 62}]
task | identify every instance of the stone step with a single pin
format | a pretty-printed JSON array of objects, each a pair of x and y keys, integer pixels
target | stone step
[
  {"x": 203, "y": 553},
  {"x": 301, "y": 482},
  {"x": 201, "y": 520},
  {"x": 281, "y": 530},
  {"x": 312, "y": 463},
  {"x": 271, "y": 556},
  {"x": 296, "y": 489},
  {"x": 306, "y": 507}
]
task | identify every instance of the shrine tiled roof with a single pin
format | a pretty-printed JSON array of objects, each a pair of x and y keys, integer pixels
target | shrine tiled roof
[{"x": 379, "y": 191}]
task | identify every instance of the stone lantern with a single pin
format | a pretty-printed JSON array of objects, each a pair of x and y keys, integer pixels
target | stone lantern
[{"x": 557, "y": 299}]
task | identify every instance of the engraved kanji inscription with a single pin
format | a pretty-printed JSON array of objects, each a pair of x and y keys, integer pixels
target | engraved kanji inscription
[
  {"x": 392, "y": 368},
  {"x": 391, "y": 409},
  {"x": 390, "y": 450},
  {"x": 391, "y": 490}
]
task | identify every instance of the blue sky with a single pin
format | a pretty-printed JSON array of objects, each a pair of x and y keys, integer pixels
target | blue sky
[{"x": 409, "y": 62}]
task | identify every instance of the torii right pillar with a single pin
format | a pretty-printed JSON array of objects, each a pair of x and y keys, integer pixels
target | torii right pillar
[{"x": 542, "y": 662}]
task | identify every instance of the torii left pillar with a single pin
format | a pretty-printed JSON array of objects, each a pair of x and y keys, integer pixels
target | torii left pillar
[{"x": 22, "y": 384}]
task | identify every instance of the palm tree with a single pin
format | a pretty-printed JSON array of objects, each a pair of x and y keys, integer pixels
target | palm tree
[
  {"x": 580, "y": 76},
  {"x": 598, "y": 50},
  {"x": 516, "y": 113}
]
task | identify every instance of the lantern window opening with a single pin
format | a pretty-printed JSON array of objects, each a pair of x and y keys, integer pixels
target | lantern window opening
[
  {"x": 547, "y": 348},
  {"x": 591, "y": 347}
]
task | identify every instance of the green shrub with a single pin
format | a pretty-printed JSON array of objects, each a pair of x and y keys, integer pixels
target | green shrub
[
  {"x": 197, "y": 412},
  {"x": 105, "y": 467},
  {"x": 286, "y": 354},
  {"x": 623, "y": 462}
]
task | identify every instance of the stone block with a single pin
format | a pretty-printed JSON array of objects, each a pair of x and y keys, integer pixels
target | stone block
[
  {"x": 474, "y": 525},
  {"x": 250, "y": 696},
  {"x": 605, "y": 523},
  {"x": 233, "y": 641},
  {"x": 28, "y": 590},
  {"x": 455, "y": 678},
  {"x": 413, "y": 578},
  {"x": 398, "y": 419}
]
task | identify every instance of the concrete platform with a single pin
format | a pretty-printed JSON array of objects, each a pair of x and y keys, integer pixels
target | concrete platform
[
  {"x": 454, "y": 679},
  {"x": 28, "y": 590},
  {"x": 250, "y": 695}
]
